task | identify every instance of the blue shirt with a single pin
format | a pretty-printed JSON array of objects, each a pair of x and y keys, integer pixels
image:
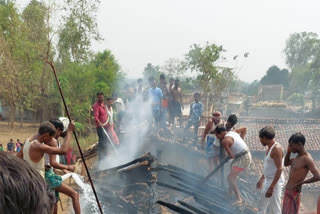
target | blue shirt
[
  {"x": 196, "y": 110},
  {"x": 156, "y": 96}
]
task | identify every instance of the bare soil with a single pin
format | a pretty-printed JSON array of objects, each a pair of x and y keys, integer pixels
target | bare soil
[{"x": 6, "y": 133}]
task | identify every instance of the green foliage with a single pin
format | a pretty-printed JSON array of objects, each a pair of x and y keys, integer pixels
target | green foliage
[
  {"x": 275, "y": 76},
  {"x": 303, "y": 57},
  {"x": 204, "y": 62},
  {"x": 300, "y": 48},
  {"x": 79, "y": 30},
  {"x": 151, "y": 71},
  {"x": 296, "y": 99}
]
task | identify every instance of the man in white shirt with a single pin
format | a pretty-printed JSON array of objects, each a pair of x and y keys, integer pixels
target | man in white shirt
[{"x": 272, "y": 180}]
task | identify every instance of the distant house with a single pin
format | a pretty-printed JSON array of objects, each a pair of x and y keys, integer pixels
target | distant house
[
  {"x": 236, "y": 105},
  {"x": 270, "y": 93}
]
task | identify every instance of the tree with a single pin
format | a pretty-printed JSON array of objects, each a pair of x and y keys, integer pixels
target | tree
[
  {"x": 303, "y": 55},
  {"x": 79, "y": 30},
  {"x": 14, "y": 69},
  {"x": 275, "y": 76},
  {"x": 151, "y": 71},
  {"x": 300, "y": 48},
  {"x": 204, "y": 62},
  {"x": 213, "y": 78},
  {"x": 174, "y": 67}
]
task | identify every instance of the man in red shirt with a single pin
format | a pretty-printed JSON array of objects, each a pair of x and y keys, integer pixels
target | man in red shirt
[{"x": 101, "y": 119}]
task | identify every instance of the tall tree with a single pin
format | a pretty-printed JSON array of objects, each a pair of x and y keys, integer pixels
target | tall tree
[
  {"x": 276, "y": 76},
  {"x": 204, "y": 61},
  {"x": 303, "y": 55},
  {"x": 213, "y": 78},
  {"x": 14, "y": 69},
  {"x": 79, "y": 30}
]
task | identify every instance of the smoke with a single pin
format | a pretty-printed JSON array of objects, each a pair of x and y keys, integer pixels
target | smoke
[{"x": 136, "y": 124}]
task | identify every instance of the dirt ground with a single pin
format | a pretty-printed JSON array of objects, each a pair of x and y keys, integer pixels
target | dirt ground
[{"x": 6, "y": 133}]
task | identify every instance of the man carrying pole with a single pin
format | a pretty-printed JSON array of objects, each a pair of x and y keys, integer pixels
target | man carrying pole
[
  {"x": 237, "y": 150},
  {"x": 101, "y": 118}
]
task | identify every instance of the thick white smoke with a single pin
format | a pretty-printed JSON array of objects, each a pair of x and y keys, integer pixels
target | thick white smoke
[{"x": 136, "y": 123}]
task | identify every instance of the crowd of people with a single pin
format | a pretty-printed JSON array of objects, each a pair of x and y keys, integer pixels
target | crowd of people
[
  {"x": 221, "y": 140},
  {"x": 12, "y": 147}
]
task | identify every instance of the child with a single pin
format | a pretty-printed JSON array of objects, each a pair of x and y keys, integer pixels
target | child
[{"x": 196, "y": 111}]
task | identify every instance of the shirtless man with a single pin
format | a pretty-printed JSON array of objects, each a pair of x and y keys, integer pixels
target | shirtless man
[
  {"x": 176, "y": 105},
  {"x": 300, "y": 167},
  {"x": 237, "y": 150},
  {"x": 272, "y": 179},
  {"x": 38, "y": 145},
  {"x": 52, "y": 162}
]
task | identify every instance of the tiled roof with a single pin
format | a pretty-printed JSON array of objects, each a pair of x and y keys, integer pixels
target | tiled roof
[
  {"x": 284, "y": 129},
  {"x": 256, "y": 169}
]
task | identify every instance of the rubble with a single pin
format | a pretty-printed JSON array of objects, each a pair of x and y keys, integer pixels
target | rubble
[{"x": 144, "y": 185}]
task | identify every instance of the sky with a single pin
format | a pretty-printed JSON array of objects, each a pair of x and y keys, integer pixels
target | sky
[{"x": 152, "y": 31}]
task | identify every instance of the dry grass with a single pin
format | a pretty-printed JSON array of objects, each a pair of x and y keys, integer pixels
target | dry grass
[{"x": 27, "y": 131}]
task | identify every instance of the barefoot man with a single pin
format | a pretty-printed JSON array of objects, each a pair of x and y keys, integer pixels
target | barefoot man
[
  {"x": 272, "y": 180},
  {"x": 38, "y": 145},
  {"x": 300, "y": 167},
  {"x": 237, "y": 150}
]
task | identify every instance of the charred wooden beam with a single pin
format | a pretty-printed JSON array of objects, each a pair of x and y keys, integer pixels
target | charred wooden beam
[
  {"x": 175, "y": 207},
  {"x": 147, "y": 157},
  {"x": 190, "y": 207}
]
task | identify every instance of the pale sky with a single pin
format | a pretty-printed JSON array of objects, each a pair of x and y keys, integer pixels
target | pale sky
[{"x": 143, "y": 31}]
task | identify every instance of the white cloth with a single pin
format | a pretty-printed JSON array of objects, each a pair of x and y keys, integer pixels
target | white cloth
[
  {"x": 110, "y": 116},
  {"x": 119, "y": 105},
  {"x": 269, "y": 167},
  {"x": 39, "y": 166},
  {"x": 238, "y": 143},
  {"x": 274, "y": 200},
  {"x": 269, "y": 173}
]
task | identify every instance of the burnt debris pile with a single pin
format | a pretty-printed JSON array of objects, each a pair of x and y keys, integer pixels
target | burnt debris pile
[{"x": 146, "y": 186}]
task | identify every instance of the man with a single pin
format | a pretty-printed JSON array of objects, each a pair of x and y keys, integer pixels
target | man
[
  {"x": 110, "y": 124},
  {"x": 196, "y": 111},
  {"x": 101, "y": 117},
  {"x": 1, "y": 147},
  {"x": 230, "y": 126},
  {"x": 212, "y": 145},
  {"x": 170, "y": 99},
  {"x": 156, "y": 95},
  {"x": 119, "y": 110},
  {"x": 10, "y": 146},
  {"x": 22, "y": 189},
  {"x": 40, "y": 144},
  {"x": 165, "y": 92},
  {"x": 272, "y": 179},
  {"x": 52, "y": 162},
  {"x": 300, "y": 167},
  {"x": 237, "y": 150},
  {"x": 176, "y": 93}
]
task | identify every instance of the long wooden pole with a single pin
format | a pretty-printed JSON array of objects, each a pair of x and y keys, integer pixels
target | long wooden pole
[{"x": 75, "y": 135}]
